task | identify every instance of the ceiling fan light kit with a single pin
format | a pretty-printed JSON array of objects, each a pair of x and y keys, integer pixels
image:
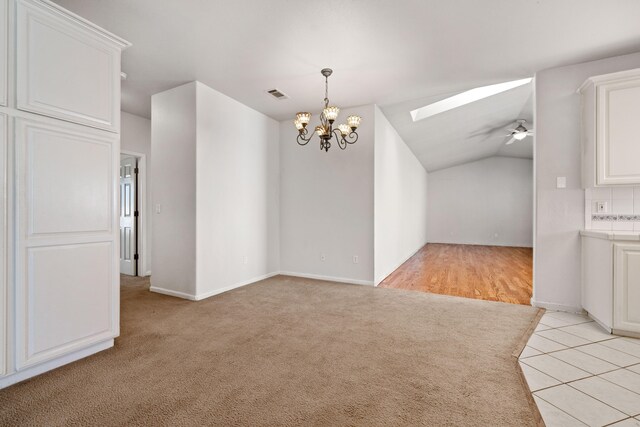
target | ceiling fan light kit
[
  {"x": 344, "y": 133},
  {"x": 519, "y": 133}
]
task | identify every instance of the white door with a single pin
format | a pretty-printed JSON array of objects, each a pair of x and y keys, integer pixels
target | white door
[
  {"x": 66, "y": 283},
  {"x": 618, "y": 145},
  {"x": 128, "y": 216},
  {"x": 627, "y": 287}
]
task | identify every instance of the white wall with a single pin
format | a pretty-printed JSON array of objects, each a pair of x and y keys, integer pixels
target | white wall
[
  {"x": 173, "y": 181},
  {"x": 326, "y": 204},
  {"x": 216, "y": 175},
  {"x": 486, "y": 202},
  {"x": 135, "y": 136},
  {"x": 237, "y": 165},
  {"x": 400, "y": 185},
  {"x": 560, "y": 212}
]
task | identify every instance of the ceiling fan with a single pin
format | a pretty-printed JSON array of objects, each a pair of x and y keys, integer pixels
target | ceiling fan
[{"x": 519, "y": 133}]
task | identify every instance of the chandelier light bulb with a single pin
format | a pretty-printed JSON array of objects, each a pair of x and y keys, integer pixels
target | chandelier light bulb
[
  {"x": 353, "y": 122},
  {"x": 298, "y": 124},
  {"x": 320, "y": 130},
  {"x": 344, "y": 129},
  {"x": 303, "y": 118},
  {"x": 331, "y": 113}
]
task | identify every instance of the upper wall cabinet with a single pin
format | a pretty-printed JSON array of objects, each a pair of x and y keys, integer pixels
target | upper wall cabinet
[
  {"x": 610, "y": 139},
  {"x": 4, "y": 49},
  {"x": 66, "y": 67}
]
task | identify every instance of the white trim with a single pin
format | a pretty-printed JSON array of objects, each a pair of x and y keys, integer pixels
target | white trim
[
  {"x": 53, "y": 364},
  {"x": 616, "y": 77},
  {"x": 328, "y": 278},
  {"x": 69, "y": 16},
  {"x": 211, "y": 293},
  {"x": 173, "y": 293},
  {"x": 142, "y": 208},
  {"x": 204, "y": 295},
  {"x": 404, "y": 259},
  {"x": 599, "y": 322},
  {"x": 556, "y": 307}
]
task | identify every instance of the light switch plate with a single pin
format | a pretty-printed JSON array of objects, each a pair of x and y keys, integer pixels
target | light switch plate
[{"x": 561, "y": 182}]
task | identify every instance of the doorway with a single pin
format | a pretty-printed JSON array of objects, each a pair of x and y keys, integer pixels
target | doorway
[
  {"x": 129, "y": 215},
  {"x": 132, "y": 214}
]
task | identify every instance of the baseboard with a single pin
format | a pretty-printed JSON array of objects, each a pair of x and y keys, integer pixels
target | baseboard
[
  {"x": 556, "y": 307},
  {"x": 213, "y": 292},
  {"x": 328, "y": 278},
  {"x": 405, "y": 259},
  {"x": 504, "y": 245},
  {"x": 173, "y": 293},
  {"x": 53, "y": 364},
  {"x": 204, "y": 295}
]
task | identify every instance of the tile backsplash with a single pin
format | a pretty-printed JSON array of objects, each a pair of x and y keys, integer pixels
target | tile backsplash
[{"x": 622, "y": 208}]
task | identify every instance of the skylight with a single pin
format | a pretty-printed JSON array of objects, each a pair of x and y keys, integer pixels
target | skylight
[{"x": 464, "y": 98}]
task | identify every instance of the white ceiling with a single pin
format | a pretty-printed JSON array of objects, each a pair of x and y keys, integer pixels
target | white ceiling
[
  {"x": 385, "y": 52},
  {"x": 471, "y": 132}
]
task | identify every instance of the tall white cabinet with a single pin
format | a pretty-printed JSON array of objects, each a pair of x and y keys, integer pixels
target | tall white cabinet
[
  {"x": 60, "y": 125},
  {"x": 610, "y": 137}
]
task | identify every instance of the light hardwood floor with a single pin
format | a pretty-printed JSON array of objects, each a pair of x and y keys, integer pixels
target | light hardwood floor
[{"x": 493, "y": 273}]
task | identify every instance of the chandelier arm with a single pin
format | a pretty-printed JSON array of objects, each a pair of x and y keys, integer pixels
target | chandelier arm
[
  {"x": 353, "y": 135},
  {"x": 302, "y": 138},
  {"x": 342, "y": 143}
]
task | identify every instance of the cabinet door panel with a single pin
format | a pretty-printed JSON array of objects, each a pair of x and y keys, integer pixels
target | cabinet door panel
[
  {"x": 65, "y": 70},
  {"x": 3, "y": 245},
  {"x": 627, "y": 288},
  {"x": 618, "y": 140},
  {"x": 66, "y": 244},
  {"x": 67, "y": 298},
  {"x": 4, "y": 49},
  {"x": 73, "y": 204}
]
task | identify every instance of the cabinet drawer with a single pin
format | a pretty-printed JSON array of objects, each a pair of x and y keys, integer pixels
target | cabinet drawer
[{"x": 65, "y": 70}]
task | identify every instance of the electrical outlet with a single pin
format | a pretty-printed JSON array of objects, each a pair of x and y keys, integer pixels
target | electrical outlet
[
  {"x": 355, "y": 259},
  {"x": 245, "y": 259},
  {"x": 601, "y": 207},
  {"x": 323, "y": 257},
  {"x": 158, "y": 208}
]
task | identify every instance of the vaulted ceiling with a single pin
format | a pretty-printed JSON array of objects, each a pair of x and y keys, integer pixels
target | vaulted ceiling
[{"x": 398, "y": 54}]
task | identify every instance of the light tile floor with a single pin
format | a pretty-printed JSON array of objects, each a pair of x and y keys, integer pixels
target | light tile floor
[{"x": 580, "y": 375}]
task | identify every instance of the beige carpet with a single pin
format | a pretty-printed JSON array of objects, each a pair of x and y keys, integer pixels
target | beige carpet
[{"x": 288, "y": 351}]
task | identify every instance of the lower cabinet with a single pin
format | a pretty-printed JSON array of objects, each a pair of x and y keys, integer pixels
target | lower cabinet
[
  {"x": 611, "y": 280},
  {"x": 626, "y": 295},
  {"x": 3, "y": 264}
]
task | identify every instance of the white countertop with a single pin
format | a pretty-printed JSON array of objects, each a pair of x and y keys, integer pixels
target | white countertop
[{"x": 612, "y": 235}]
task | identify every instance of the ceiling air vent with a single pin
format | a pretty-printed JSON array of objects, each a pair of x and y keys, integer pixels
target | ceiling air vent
[{"x": 277, "y": 94}]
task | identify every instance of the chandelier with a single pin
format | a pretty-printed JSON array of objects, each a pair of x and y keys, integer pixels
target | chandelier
[{"x": 344, "y": 134}]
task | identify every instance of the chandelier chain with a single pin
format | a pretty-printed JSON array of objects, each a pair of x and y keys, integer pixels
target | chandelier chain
[{"x": 326, "y": 91}]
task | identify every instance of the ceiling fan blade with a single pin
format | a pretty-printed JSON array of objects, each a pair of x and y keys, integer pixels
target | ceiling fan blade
[{"x": 511, "y": 141}]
